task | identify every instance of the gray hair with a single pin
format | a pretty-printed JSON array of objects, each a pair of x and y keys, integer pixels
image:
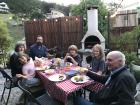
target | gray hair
[{"x": 119, "y": 55}]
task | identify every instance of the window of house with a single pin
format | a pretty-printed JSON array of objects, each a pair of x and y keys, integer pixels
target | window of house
[{"x": 125, "y": 17}]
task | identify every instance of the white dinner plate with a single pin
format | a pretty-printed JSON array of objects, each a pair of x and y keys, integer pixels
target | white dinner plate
[
  {"x": 85, "y": 79},
  {"x": 56, "y": 77},
  {"x": 49, "y": 71}
]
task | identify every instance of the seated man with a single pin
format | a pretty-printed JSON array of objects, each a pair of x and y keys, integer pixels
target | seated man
[
  {"x": 120, "y": 85},
  {"x": 38, "y": 49}
]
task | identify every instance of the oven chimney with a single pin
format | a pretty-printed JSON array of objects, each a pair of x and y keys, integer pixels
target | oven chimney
[
  {"x": 93, "y": 34},
  {"x": 92, "y": 19}
]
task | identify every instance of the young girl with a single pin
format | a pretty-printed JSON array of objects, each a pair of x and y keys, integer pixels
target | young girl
[
  {"x": 72, "y": 56},
  {"x": 28, "y": 71},
  {"x": 98, "y": 62}
]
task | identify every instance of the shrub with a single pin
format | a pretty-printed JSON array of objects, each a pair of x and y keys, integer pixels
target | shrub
[
  {"x": 130, "y": 57},
  {"x": 5, "y": 39},
  {"x": 127, "y": 41},
  {"x": 136, "y": 62}
]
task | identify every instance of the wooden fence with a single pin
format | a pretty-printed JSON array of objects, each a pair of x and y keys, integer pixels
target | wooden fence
[{"x": 60, "y": 32}]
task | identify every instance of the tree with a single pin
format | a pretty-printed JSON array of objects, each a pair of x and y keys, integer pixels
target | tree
[
  {"x": 24, "y": 8},
  {"x": 114, "y": 6},
  {"x": 33, "y": 8},
  {"x": 5, "y": 39},
  {"x": 46, "y": 8},
  {"x": 82, "y": 11}
]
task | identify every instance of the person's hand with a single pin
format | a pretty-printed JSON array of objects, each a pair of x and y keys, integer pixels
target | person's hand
[
  {"x": 83, "y": 70},
  {"x": 69, "y": 57},
  {"x": 67, "y": 54},
  {"x": 19, "y": 75},
  {"x": 99, "y": 73}
]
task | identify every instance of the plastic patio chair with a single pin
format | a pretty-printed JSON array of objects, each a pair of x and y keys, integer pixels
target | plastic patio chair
[
  {"x": 8, "y": 84},
  {"x": 44, "y": 99}
]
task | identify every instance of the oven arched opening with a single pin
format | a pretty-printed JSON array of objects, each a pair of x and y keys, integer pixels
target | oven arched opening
[{"x": 90, "y": 41}]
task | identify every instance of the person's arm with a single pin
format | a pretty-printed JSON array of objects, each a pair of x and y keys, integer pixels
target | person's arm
[
  {"x": 65, "y": 58},
  {"x": 73, "y": 60},
  {"x": 21, "y": 76},
  {"x": 96, "y": 77}
]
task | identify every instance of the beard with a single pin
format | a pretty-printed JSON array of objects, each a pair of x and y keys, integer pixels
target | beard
[{"x": 39, "y": 43}]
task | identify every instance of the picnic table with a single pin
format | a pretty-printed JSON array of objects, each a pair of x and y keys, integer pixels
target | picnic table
[{"x": 61, "y": 90}]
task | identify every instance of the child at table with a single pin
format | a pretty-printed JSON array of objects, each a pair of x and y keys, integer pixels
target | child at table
[
  {"x": 72, "y": 56},
  {"x": 28, "y": 71},
  {"x": 98, "y": 62}
]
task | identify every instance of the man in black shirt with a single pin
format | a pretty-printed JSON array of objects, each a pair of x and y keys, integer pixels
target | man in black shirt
[
  {"x": 38, "y": 49},
  {"x": 120, "y": 85}
]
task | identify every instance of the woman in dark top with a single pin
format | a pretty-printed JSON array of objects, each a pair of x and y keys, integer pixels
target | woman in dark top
[
  {"x": 72, "y": 56},
  {"x": 15, "y": 65},
  {"x": 98, "y": 62}
]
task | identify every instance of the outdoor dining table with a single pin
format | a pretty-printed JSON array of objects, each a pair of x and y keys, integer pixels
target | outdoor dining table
[{"x": 61, "y": 90}]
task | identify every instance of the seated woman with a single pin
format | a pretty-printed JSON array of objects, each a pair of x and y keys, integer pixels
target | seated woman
[
  {"x": 72, "y": 56},
  {"x": 98, "y": 62},
  {"x": 14, "y": 63},
  {"x": 28, "y": 71}
]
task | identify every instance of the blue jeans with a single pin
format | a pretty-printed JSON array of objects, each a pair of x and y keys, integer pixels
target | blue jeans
[
  {"x": 82, "y": 101},
  {"x": 31, "y": 82}
]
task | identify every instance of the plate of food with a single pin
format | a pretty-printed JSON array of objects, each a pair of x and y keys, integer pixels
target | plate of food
[
  {"x": 80, "y": 79},
  {"x": 57, "y": 77},
  {"x": 49, "y": 71}
]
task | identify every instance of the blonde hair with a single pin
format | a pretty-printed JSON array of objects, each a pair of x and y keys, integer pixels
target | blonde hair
[
  {"x": 73, "y": 47},
  {"x": 101, "y": 51}
]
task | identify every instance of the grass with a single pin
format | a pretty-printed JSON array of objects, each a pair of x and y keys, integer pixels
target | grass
[{"x": 15, "y": 31}]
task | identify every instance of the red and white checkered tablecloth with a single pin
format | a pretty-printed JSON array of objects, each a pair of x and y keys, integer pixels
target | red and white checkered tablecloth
[
  {"x": 95, "y": 87},
  {"x": 61, "y": 90}
]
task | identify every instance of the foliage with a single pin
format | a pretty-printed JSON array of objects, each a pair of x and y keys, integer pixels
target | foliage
[
  {"x": 127, "y": 41},
  {"x": 46, "y": 8},
  {"x": 15, "y": 31},
  {"x": 33, "y": 8},
  {"x": 130, "y": 56},
  {"x": 112, "y": 6},
  {"x": 24, "y": 8},
  {"x": 5, "y": 39},
  {"x": 136, "y": 62},
  {"x": 81, "y": 10}
]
